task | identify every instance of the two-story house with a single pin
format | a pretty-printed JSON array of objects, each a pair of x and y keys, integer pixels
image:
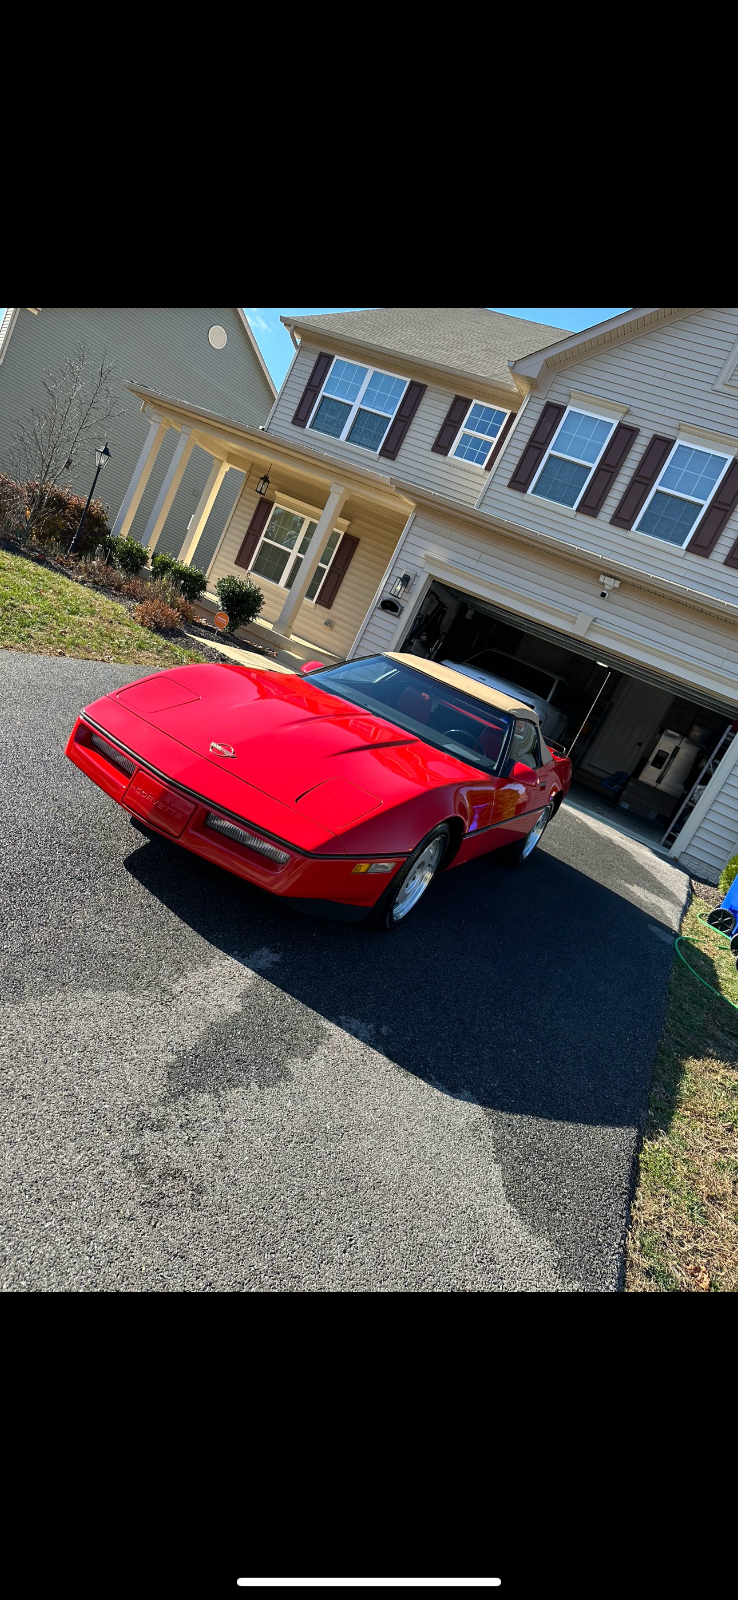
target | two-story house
[{"x": 558, "y": 510}]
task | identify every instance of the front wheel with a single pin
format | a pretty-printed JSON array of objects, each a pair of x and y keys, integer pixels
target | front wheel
[
  {"x": 410, "y": 883},
  {"x": 519, "y": 853}
]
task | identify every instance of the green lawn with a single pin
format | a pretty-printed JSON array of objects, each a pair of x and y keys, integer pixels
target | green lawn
[
  {"x": 684, "y": 1231},
  {"x": 47, "y": 614}
]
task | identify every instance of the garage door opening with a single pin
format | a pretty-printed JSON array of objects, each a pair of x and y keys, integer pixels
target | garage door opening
[{"x": 642, "y": 747}]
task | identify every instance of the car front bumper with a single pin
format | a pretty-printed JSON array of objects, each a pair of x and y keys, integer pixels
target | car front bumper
[{"x": 317, "y": 885}]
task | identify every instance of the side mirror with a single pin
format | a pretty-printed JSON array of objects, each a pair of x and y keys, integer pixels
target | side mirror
[
  {"x": 523, "y": 773},
  {"x": 311, "y": 666}
]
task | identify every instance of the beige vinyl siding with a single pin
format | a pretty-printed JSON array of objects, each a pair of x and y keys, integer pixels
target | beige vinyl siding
[
  {"x": 378, "y": 532},
  {"x": 673, "y": 639},
  {"x": 665, "y": 377},
  {"x": 416, "y": 462},
  {"x": 167, "y": 349},
  {"x": 715, "y": 839}
]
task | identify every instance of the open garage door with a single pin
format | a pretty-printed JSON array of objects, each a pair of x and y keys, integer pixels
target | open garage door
[
  {"x": 639, "y": 739},
  {"x": 591, "y": 652}
]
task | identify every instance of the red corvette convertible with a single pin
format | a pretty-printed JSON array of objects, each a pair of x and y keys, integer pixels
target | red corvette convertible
[{"x": 344, "y": 790}]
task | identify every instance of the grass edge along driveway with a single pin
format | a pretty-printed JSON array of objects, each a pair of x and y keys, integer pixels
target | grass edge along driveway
[
  {"x": 684, "y": 1218},
  {"x": 43, "y": 613}
]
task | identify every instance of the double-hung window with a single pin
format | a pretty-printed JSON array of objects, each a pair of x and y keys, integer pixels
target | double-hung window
[
  {"x": 678, "y": 498},
  {"x": 478, "y": 432},
  {"x": 284, "y": 542},
  {"x": 572, "y": 457},
  {"x": 357, "y": 404}
]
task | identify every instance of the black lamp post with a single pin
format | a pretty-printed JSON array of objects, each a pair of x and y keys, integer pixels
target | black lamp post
[{"x": 102, "y": 458}]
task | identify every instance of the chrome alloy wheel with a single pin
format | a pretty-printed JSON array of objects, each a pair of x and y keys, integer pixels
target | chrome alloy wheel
[
  {"x": 538, "y": 828},
  {"x": 418, "y": 879}
]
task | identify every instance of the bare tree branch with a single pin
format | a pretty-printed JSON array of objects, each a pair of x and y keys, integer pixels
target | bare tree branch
[{"x": 80, "y": 401}]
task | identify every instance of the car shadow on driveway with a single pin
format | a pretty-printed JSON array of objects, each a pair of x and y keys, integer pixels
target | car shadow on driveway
[{"x": 538, "y": 993}]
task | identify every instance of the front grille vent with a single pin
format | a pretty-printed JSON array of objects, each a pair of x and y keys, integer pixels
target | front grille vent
[
  {"x": 222, "y": 825},
  {"x": 111, "y": 754}
]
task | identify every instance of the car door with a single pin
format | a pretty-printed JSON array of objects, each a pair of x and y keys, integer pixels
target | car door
[{"x": 523, "y": 797}]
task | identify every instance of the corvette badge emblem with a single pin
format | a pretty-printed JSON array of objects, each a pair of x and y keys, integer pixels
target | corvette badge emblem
[{"x": 223, "y": 749}]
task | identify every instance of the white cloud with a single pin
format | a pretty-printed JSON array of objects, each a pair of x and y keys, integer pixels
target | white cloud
[{"x": 256, "y": 320}]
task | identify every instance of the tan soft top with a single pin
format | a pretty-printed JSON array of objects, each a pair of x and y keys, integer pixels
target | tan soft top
[{"x": 467, "y": 685}]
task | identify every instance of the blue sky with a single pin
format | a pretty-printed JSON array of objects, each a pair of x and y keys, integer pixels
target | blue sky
[{"x": 276, "y": 346}]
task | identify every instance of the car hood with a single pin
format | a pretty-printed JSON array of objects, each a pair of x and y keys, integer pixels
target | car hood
[{"x": 305, "y": 748}]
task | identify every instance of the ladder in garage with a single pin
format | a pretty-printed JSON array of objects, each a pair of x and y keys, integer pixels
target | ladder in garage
[{"x": 698, "y": 788}]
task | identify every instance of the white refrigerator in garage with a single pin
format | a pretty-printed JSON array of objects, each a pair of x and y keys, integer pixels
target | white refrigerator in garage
[{"x": 669, "y": 764}]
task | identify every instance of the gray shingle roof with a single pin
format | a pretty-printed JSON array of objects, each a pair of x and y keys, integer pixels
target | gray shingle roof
[{"x": 466, "y": 339}]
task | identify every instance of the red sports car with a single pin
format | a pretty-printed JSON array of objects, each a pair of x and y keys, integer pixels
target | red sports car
[{"x": 343, "y": 790}]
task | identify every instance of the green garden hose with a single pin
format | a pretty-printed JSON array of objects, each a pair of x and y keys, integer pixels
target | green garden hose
[{"x": 684, "y": 938}]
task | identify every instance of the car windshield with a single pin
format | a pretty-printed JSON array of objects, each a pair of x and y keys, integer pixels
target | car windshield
[
  {"x": 433, "y": 711},
  {"x": 518, "y": 672}
]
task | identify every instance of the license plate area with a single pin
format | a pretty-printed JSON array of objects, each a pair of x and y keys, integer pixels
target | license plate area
[{"x": 155, "y": 803}]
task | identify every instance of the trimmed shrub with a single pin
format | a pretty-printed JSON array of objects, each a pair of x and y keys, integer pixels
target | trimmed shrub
[
  {"x": 729, "y": 872},
  {"x": 127, "y": 554},
  {"x": 162, "y": 562},
  {"x": 12, "y": 507},
  {"x": 57, "y": 523},
  {"x": 242, "y": 600},
  {"x": 189, "y": 580},
  {"x": 157, "y": 615}
]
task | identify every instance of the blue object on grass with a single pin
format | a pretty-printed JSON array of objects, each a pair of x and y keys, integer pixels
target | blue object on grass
[{"x": 725, "y": 916}]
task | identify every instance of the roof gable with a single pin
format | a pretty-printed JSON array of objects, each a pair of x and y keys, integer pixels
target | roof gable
[
  {"x": 528, "y": 369},
  {"x": 469, "y": 342}
]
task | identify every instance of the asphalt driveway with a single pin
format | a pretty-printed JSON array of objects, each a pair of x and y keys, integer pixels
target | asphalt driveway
[{"x": 204, "y": 1091}]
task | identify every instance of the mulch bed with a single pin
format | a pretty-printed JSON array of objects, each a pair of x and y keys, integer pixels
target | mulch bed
[{"x": 706, "y": 891}]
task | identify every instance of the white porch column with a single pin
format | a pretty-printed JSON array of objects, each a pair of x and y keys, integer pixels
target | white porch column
[
  {"x": 204, "y": 507},
  {"x": 310, "y": 561},
  {"x": 142, "y": 472},
  {"x": 164, "y": 500}
]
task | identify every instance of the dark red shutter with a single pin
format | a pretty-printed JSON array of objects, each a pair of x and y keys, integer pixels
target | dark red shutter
[
  {"x": 500, "y": 440},
  {"x": 715, "y": 516},
  {"x": 537, "y": 446},
  {"x": 642, "y": 481},
  {"x": 337, "y": 571},
  {"x": 312, "y": 390},
  {"x": 405, "y": 413},
  {"x": 451, "y": 424},
  {"x": 253, "y": 533},
  {"x": 604, "y": 476}
]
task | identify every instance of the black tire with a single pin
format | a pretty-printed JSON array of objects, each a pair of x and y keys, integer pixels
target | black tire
[
  {"x": 516, "y": 855},
  {"x": 722, "y": 919},
  {"x": 382, "y": 916}
]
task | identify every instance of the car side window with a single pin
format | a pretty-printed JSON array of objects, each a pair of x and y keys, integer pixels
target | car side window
[{"x": 525, "y": 744}]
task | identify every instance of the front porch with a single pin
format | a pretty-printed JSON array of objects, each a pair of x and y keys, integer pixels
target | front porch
[{"x": 316, "y": 544}]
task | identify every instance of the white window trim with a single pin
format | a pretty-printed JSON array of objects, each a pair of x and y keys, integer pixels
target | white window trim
[
  {"x": 581, "y": 411},
  {"x": 481, "y": 465},
  {"x": 293, "y": 554},
  {"x": 691, "y": 444},
  {"x": 357, "y": 406}
]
